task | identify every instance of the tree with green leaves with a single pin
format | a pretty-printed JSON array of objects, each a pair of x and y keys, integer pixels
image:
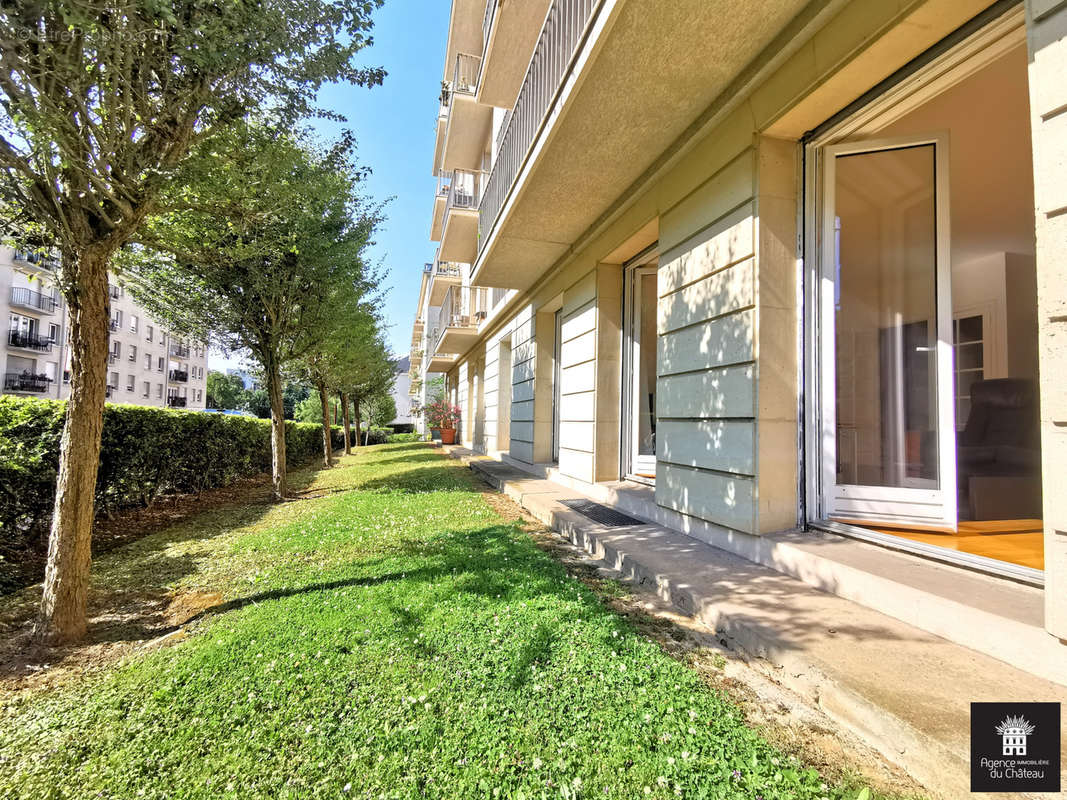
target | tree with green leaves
[
  {"x": 265, "y": 231},
  {"x": 100, "y": 103},
  {"x": 351, "y": 334},
  {"x": 226, "y": 392}
]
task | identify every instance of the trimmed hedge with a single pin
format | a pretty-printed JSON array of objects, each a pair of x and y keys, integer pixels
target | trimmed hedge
[{"x": 145, "y": 453}]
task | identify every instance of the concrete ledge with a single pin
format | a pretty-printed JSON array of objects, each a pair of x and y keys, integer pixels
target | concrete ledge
[
  {"x": 903, "y": 690},
  {"x": 994, "y": 616}
]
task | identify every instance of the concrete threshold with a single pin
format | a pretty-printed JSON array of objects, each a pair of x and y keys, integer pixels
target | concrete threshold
[{"x": 904, "y": 690}]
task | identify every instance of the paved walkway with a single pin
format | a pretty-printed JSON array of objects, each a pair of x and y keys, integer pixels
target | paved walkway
[{"x": 905, "y": 691}]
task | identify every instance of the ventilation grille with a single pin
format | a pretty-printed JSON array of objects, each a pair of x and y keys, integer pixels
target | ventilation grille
[{"x": 602, "y": 515}]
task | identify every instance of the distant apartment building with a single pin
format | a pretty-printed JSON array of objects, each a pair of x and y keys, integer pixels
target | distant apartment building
[
  {"x": 146, "y": 365},
  {"x": 752, "y": 270}
]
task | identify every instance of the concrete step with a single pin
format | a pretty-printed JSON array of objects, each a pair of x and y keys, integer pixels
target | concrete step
[
  {"x": 904, "y": 690},
  {"x": 998, "y": 617}
]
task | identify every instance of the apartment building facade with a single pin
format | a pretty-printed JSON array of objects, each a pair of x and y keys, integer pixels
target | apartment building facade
[
  {"x": 747, "y": 268},
  {"x": 146, "y": 365}
]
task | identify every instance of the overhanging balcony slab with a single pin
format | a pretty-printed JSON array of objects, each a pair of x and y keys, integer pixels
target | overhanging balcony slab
[
  {"x": 438, "y": 216},
  {"x": 512, "y": 37},
  {"x": 458, "y": 338},
  {"x": 459, "y": 239},
  {"x": 648, "y": 74},
  {"x": 464, "y": 31},
  {"x": 439, "y": 285},
  {"x": 467, "y": 134},
  {"x": 439, "y": 142},
  {"x": 440, "y": 362}
]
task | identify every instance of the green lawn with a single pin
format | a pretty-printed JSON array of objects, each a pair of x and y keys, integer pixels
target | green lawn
[{"x": 393, "y": 637}]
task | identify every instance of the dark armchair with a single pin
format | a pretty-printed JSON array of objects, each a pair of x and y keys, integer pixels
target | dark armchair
[{"x": 1002, "y": 440}]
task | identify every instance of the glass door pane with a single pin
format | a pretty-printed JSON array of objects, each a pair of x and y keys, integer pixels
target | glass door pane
[
  {"x": 887, "y": 356},
  {"x": 886, "y": 318},
  {"x": 644, "y": 334}
]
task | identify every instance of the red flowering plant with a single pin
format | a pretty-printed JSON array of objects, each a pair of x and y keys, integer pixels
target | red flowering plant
[{"x": 442, "y": 415}]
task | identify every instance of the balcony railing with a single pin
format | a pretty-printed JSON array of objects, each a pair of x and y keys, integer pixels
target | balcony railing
[
  {"x": 113, "y": 357},
  {"x": 179, "y": 376},
  {"x": 30, "y": 341},
  {"x": 463, "y": 193},
  {"x": 487, "y": 21},
  {"x": 114, "y": 291},
  {"x": 179, "y": 350},
  {"x": 28, "y": 298},
  {"x": 174, "y": 401},
  {"x": 26, "y": 382},
  {"x": 465, "y": 74},
  {"x": 114, "y": 325},
  {"x": 463, "y": 307},
  {"x": 445, "y": 268},
  {"x": 36, "y": 259},
  {"x": 564, "y": 30},
  {"x": 444, "y": 183}
]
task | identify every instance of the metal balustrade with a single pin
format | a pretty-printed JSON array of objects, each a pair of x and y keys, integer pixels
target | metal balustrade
[
  {"x": 565, "y": 28},
  {"x": 36, "y": 259},
  {"x": 30, "y": 341},
  {"x": 28, "y": 298},
  {"x": 463, "y": 191},
  {"x": 487, "y": 22},
  {"x": 465, "y": 73},
  {"x": 463, "y": 307},
  {"x": 176, "y": 402},
  {"x": 26, "y": 382},
  {"x": 178, "y": 376}
]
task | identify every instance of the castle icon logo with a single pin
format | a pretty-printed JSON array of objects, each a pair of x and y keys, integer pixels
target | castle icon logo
[{"x": 1013, "y": 732}]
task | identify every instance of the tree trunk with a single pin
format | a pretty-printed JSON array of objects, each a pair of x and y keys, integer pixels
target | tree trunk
[
  {"x": 62, "y": 616},
  {"x": 327, "y": 445},
  {"x": 348, "y": 424},
  {"x": 277, "y": 427},
  {"x": 355, "y": 403}
]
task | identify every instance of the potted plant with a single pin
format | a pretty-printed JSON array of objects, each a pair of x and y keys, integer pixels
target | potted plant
[{"x": 442, "y": 416}]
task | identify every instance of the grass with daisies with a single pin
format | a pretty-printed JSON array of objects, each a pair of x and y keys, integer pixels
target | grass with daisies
[{"x": 389, "y": 636}]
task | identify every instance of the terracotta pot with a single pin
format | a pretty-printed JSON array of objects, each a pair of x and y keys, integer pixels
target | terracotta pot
[{"x": 448, "y": 435}]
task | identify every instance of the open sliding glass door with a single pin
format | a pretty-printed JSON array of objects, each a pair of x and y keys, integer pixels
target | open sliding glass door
[
  {"x": 639, "y": 373},
  {"x": 885, "y": 335}
]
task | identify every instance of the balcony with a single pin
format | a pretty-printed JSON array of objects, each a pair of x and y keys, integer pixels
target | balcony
[
  {"x": 173, "y": 401},
  {"x": 440, "y": 362},
  {"x": 509, "y": 34},
  {"x": 459, "y": 232},
  {"x": 442, "y": 129},
  {"x": 443, "y": 277},
  {"x": 113, "y": 357},
  {"x": 440, "y": 199},
  {"x": 114, "y": 292},
  {"x": 27, "y": 298},
  {"x": 469, "y": 122},
  {"x": 114, "y": 324},
  {"x": 26, "y": 382},
  {"x": 179, "y": 350},
  {"x": 178, "y": 376},
  {"x": 462, "y": 310},
  {"x": 610, "y": 92},
  {"x": 35, "y": 260},
  {"x": 30, "y": 341}
]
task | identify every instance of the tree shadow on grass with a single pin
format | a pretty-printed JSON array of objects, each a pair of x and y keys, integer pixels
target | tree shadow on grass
[
  {"x": 131, "y": 588},
  {"x": 444, "y": 477}
]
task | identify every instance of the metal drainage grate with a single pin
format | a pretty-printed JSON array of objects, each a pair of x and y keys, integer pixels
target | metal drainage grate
[{"x": 608, "y": 517}]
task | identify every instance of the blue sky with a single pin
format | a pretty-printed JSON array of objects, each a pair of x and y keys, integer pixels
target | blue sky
[{"x": 394, "y": 126}]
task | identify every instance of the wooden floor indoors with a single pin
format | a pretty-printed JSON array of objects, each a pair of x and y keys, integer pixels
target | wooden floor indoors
[{"x": 1017, "y": 541}]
